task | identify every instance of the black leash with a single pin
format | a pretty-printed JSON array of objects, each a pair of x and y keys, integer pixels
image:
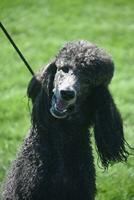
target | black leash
[{"x": 16, "y": 48}]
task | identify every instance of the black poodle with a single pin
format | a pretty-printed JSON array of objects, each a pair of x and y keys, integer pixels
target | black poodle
[{"x": 69, "y": 96}]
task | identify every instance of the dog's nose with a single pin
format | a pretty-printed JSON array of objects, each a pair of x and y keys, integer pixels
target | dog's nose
[{"x": 67, "y": 94}]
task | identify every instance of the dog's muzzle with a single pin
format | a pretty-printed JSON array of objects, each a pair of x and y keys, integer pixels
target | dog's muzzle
[{"x": 62, "y": 103}]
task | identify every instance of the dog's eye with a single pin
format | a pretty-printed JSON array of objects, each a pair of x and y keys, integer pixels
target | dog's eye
[{"x": 65, "y": 69}]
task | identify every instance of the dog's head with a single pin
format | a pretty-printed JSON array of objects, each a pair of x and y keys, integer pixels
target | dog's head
[
  {"x": 78, "y": 77},
  {"x": 80, "y": 67}
]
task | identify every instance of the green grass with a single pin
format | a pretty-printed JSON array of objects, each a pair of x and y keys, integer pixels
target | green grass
[{"x": 40, "y": 28}]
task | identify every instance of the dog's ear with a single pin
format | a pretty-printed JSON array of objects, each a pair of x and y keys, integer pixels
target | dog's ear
[
  {"x": 108, "y": 128},
  {"x": 34, "y": 87},
  {"x": 48, "y": 78},
  {"x": 43, "y": 78}
]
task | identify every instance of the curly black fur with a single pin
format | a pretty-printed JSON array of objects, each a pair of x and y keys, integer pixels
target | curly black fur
[{"x": 56, "y": 161}]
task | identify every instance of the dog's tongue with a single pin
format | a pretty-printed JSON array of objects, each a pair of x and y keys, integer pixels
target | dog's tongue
[{"x": 60, "y": 105}]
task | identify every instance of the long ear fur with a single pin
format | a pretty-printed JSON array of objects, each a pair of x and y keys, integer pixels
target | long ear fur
[
  {"x": 44, "y": 77},
  {"x": 108, "y": 129},
  {"x": 49, "y": 74},
  {"x": 40, "y": 92},
  {"x": 34, "y": 88}
]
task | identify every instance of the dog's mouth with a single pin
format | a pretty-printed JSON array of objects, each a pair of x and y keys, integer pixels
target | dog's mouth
[{"x": 60, "y": 108}]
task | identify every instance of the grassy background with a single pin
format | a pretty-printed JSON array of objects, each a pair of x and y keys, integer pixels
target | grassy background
[{"x": 40, "y": 28}]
